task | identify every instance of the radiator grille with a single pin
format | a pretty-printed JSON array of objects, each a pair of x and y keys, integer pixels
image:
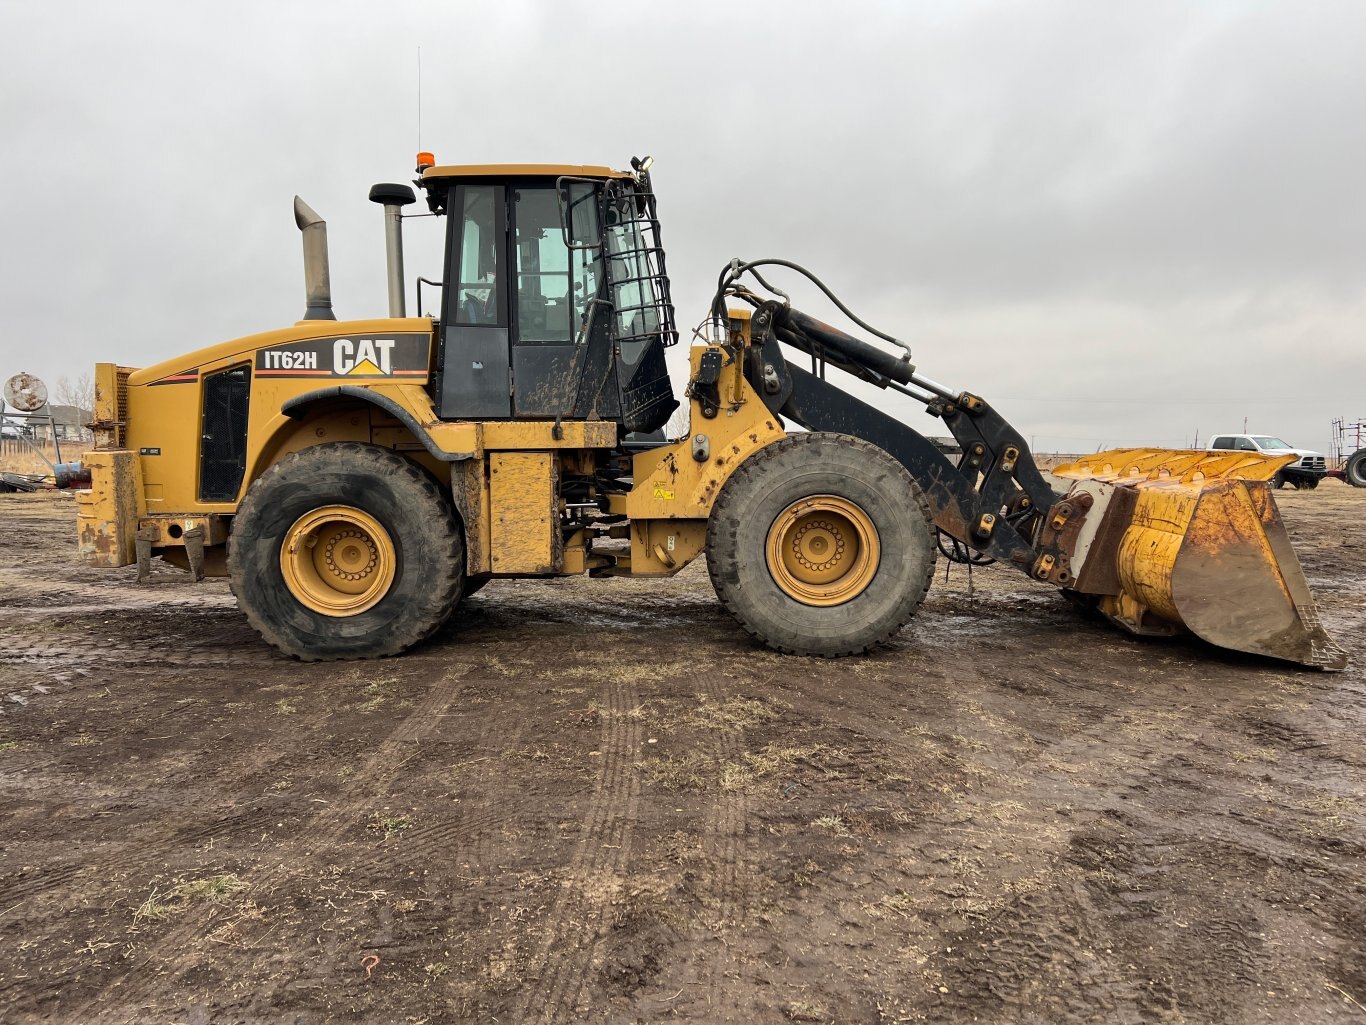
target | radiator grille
[{"x": 121, "y": 406}]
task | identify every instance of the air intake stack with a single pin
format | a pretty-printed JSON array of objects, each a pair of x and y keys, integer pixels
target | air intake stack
[{"x": 394, "y": 198}]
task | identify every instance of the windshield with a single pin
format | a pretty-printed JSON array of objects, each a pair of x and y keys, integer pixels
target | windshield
[{"x": 1270, "y": 444}]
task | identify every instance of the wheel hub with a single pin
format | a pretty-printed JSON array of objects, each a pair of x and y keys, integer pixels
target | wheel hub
[
  {"x": 823, "y": 550},
  {"x": 338, "y": 560},
  {"x": 351, "y": 554}
]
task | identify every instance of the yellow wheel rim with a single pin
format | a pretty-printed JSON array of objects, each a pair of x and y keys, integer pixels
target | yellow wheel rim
[
  {"x": 823, "y": 550},
  {"x": 338, "y": 560}
]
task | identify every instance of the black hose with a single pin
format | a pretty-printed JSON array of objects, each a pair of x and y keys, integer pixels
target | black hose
[
  {"x": 958, "y": 552},
  {"x": 732, "y": 272}
]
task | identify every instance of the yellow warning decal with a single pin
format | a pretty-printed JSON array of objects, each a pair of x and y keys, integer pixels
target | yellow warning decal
[
  {"x": 664, "y": 494},
  {"x": 366, "y": 368}
]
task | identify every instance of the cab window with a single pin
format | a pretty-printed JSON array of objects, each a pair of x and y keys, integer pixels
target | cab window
[
  {"x": 555, "y": 284},
  {"x": 477, "y": 275}
]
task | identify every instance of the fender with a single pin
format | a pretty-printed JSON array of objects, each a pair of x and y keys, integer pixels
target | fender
[{"x": 299, "y": 406}]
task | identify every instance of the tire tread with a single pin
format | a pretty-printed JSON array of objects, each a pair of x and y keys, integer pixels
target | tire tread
[
  {"x": 723, "y": 570},
  {"x": 439, "y": 596}
]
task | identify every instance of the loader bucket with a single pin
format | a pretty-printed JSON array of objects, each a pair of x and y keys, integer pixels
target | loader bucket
[{"x": 1196, "y": 542}]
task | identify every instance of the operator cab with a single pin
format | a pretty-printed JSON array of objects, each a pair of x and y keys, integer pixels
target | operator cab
[{"x": 555, "y": 302}]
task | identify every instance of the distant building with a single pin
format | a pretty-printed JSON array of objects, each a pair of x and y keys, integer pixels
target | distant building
[{"x": 71, "y": 422}]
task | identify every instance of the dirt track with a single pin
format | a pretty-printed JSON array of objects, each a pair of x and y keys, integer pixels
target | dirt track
[{"x": 597, "y": 801}]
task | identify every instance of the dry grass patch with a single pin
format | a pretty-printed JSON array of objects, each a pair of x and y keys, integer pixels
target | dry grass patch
[
  {"x": 899, "y": 903},
  {"x": 530, "y": 754},
  {"x": 636, "y": 712},
  {"x": 165, "y": 903},
  {"x": 806, "y": 1010},
  {"x": 508, "y": 667},
  {"x": 833, "y": 824},
  {"x": 606, "y": 669},
  {"x": 376, "y": 695},
  {"x": 21, "y": 458},
  {"x": 1256, "y": 754},
  {"x": 734, "y": 778},
  {"x": 731, "y": 714},
  {"x": 773, "y": 758},
  {"x": 687, "y": 773},
  {"x": 389, "y": 825}
]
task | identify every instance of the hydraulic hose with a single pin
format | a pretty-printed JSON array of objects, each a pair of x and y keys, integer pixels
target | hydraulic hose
[{"x": 734, "y": 270}]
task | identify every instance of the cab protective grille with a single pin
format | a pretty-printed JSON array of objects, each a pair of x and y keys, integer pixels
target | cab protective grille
[{"x": 223, "y": 448}]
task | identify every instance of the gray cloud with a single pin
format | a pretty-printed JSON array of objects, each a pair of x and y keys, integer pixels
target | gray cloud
[{"x": 1121, "y": 223}]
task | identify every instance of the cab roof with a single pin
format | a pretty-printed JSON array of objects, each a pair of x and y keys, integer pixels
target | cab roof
[{"x": 520, "y": 171}]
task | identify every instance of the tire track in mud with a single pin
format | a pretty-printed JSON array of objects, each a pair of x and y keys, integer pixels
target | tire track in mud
[
  {"x": 130, "y": 857},
  {"x": 325, "y": 828},
  {"x": 41, "y": 596},
  {"x": 469, "y": 830},
  {"x": 1019, "y": 946},
  {"x": 723, "y": 844},
  {"x": 1128, "y": 754},
  {"x": 466, "y": 833},
  {"x": 575, "y": 929},
  {"x": 467, "y": 836},
  {"x": 227, "y": 816},
  {"x": 118, "y": 852}
]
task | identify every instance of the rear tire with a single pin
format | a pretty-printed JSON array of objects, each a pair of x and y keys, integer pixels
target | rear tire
[
  {"x": 1354, "y": 473},
  {"x": 315, "y": 509},
  {"x": 821, "y": 544}
]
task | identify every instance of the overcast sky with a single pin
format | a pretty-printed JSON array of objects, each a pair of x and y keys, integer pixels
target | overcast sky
[{"x": 1120, "y": 223}]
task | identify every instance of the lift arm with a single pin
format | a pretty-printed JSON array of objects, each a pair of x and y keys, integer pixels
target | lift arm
[
  {"x": 990, "y": 501},
  {"x": 1168, "y": 541}
]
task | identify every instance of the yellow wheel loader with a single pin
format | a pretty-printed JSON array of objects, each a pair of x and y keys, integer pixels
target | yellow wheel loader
[{"x": 356, "y": 479}]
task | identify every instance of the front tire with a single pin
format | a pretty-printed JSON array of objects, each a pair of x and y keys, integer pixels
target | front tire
[
  {"x": 345, "y": 551},
  {"x": 821, "y": 544}
]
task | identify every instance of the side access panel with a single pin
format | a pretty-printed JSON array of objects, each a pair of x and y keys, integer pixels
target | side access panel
[{"x": 524, "y": 523}]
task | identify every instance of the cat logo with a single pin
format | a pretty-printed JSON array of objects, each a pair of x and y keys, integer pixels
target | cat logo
[{"x": 363, "y": 357}]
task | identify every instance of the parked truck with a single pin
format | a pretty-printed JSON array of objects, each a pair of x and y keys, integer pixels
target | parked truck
[{"x": 1303, "y": 473}]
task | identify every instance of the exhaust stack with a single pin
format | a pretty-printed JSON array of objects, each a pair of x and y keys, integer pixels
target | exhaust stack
[
  {"x": 317, "y": 281},
  {"x": 394, "y": 198}
]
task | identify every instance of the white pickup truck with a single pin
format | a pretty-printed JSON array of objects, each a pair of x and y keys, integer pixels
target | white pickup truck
[{"x": 1308, "y": 469}]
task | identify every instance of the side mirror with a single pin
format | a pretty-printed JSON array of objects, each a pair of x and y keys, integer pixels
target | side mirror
[{"x": 578, "y": 201}]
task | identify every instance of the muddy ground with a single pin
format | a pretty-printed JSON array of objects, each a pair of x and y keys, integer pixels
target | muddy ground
[{"x": 598, "y": 801}]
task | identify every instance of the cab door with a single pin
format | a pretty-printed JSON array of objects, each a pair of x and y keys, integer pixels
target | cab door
[
  {"x": 554, "y": 295},
  {"x": 475, "y": 380}
]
